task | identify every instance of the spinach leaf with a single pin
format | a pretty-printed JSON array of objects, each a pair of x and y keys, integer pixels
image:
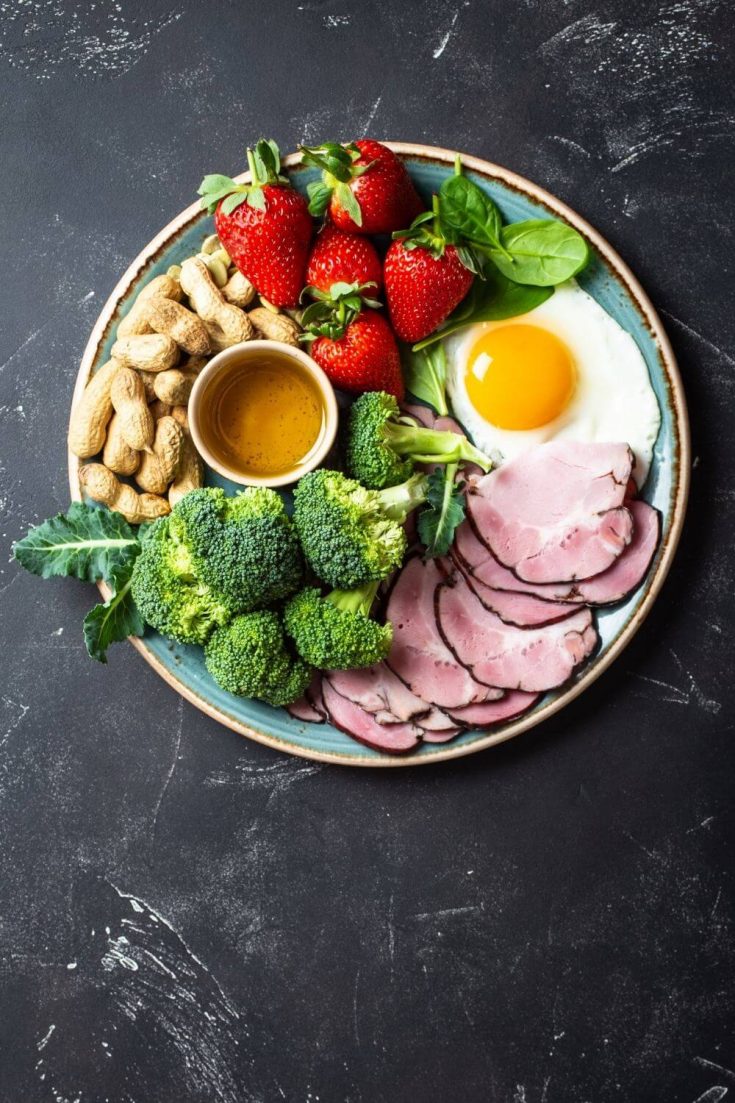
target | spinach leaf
[
  {"x": 425, "y": 376},
  {"x": 114, "y": 620},
  {"x": 85, "y": 543},
  {"x": 541, "y": 252},
  {"x": 444, "y": 511},
  {"x": 466, "y": 213},
  {"x": 489, "y": 300}
]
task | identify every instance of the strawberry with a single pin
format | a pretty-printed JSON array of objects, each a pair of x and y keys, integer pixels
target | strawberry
[
  {"x": 351, "y": 342},
  {"x": 425, "y": 278},
  {"x": 265, "y": 226},
  {"x": 365, "y": 186},
  {"x": 339, "y": 257}
]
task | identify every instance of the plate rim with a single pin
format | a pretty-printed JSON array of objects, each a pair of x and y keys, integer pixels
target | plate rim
[{"x": 439, "y": 154}]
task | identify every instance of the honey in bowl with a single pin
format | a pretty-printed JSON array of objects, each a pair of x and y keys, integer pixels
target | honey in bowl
[{"x": 264, "y": 416}]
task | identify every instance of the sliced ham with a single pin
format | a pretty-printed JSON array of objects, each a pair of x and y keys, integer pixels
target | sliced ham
[
  {"x": 442, "y": 736},
  {"x": 418, "y": 654},
  {"x": 354, "y": 721},
  {"x": 302, "y": 710},
  {"x": 477, "y": 558},
  {"x": 556, "y": 513},
  {"x": 522, "y": 610},
  {"x": 612, "y": 585},
  {"x": 628, "y": 571},
  {"x": 494, "y": 712},
  {"x": 498, "y": 654},
  {"x": 379, "y": 691}
]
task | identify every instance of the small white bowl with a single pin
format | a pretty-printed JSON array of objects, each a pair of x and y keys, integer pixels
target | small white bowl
[{"x": 235, "y": 357}]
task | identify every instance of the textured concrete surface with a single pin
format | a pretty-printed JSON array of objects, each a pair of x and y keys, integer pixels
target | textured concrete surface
[{"x": 188, "y": 917}]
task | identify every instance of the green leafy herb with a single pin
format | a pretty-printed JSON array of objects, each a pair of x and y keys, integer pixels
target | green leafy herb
[
  {"x": 425, "y": 376},
  {"x": 444, "y": 511},
  {"x": 540, "y": 252},
  {"x": 85, "y": 543},
  {"x": 114, "y": 620},
  {"x": 491, "y": 299}
]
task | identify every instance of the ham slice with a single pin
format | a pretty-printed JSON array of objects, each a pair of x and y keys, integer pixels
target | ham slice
[
  {"x": 630, "y": 568},
  {"x": 418, "y": 654},
  {"x": 498, "y": 654},
  {"x": 556, "y": 513},
  {"x": 302, "y": 710},
  {"x": 494, "y": 712},
  {"x": 354, "y": 721},
  {"x": 522, "y": 610},
  {"x": 379, "y": 691},
  {"x": 614, "y": 584},
  {"x": 477, "y": 559}
]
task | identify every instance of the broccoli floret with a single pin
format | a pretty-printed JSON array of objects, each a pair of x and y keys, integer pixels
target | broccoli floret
[
  {"x": 351, "y": 535},
  {"x": 335, "y": 632},
  {"x": 383, "y": 445},
  {"x": 168, "y": 595},
  {"x": 244, "y": 546},
  {"x": 250, "y": 657}
]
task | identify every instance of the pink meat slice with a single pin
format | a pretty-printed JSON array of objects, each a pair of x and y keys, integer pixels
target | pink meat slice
[
  {"x": 630, "y": 568},
  {"x": 442, "y": 736},
  {"x": 556, "y": 513},
  {"x": 354, "y": 721},
  {"x": 477, "y": 558},
  {"x": 418, "y": 654},
  {"x": 302, "y": 710},
  {"x": 531, "y": 659},
  {"x": 382, "y": 693},
  {"x": 522, "y": 610},
  {"x": 494, "y": 712}
]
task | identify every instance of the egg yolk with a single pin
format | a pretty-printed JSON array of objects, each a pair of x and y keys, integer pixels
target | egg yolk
[{"x": 519, "y": 376}]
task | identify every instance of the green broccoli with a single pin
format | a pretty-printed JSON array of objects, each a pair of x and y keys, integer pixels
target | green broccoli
[
  {"x": 335, "y": 632},
  {"x": 382, "y": 445},
  {"x": 244, "y": 546},
  {"x": 351, "y": 535},
  {"x": 250, "y": 657},
  {"x": 167, "y": 592}
]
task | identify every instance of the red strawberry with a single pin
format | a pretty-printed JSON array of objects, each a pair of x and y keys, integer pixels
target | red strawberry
[
  {"x": 265, "y": 226},
  {"x": 365, "y": 185},
  {"x": 424, "y": 278},
  {"x": 352, "y": 342},
  {"x": 338, "y": 257}
]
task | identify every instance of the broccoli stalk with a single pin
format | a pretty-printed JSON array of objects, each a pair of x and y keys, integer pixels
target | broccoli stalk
[
  {"x": 335, "y": 632},
  {"x": 350, "y": 535},
  {"x": 383, "y": 446}
]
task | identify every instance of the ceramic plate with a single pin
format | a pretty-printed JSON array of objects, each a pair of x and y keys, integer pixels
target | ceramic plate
[{"x": 612, "y": 284}]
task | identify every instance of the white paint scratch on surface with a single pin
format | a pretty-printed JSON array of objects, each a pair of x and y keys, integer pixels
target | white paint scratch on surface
[
  {"x": 373, "y": 112},
  {"x": 705, "y": 1063},
  {"x": 700, "y": 337},
  {"x": 570, "y": 145},
  {"x": 444, "y": 40},
  {"x": 172, "y": 767},
  {"x": 450, "y": 913},
  {"x": 96, "y": 40},
  {"x": 333, "y": 21},
  {"x": 45, "y": 1040},
  {"x": 690, "y": 694},
  {"x": 712, "y": 1095}
]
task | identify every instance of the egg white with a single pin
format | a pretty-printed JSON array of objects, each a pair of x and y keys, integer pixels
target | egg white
[{"x": 613, "y": 399}]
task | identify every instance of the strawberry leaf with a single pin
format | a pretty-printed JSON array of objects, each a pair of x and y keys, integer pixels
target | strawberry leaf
[
  {"x": 319, "y": 196},
  {"x": 346, "y": 199},
  {"x": 231, "y": 202},
  {"x": 255, "y": 198}
]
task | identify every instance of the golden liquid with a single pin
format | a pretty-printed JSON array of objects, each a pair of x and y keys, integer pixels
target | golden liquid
[{"x": 264, "y": 417}]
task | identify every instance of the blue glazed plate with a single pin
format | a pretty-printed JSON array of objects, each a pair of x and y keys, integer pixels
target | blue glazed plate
[{"x": 612, "y": 284}]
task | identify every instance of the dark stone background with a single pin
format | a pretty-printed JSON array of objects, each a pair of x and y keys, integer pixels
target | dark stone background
[{"x": 550, "y": 921}]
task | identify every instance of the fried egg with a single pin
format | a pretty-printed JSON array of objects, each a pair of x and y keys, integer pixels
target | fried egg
[{"x": 565, "y": 370}]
